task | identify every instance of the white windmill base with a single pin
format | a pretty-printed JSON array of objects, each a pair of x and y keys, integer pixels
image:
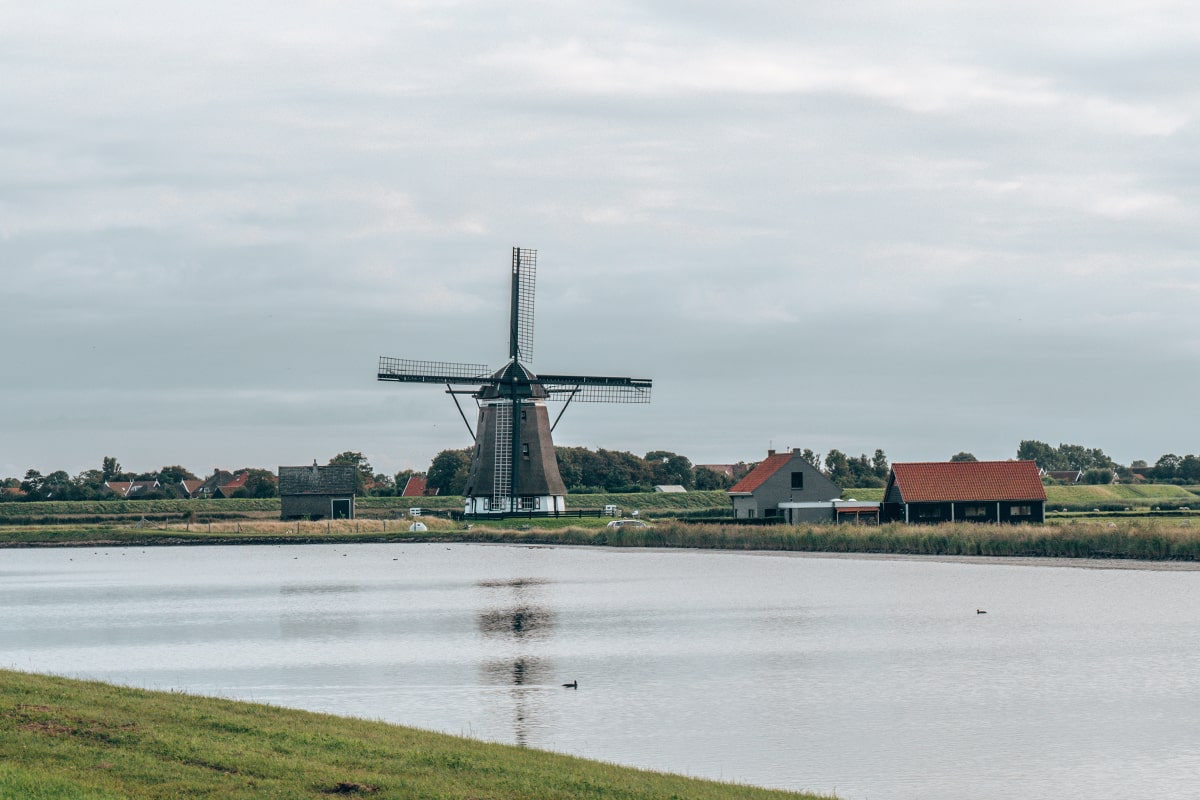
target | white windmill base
[{"x": 544, "y": 504}]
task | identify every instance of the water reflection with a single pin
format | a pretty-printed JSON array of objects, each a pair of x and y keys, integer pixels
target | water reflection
[
  {"x": 517, "y": 623},
  {"x": 306, "y": 616},
  {"x": 515, "y": 619}
]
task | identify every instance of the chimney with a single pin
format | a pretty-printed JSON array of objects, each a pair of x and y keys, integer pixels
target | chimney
[{"x": 770, "y": 453}]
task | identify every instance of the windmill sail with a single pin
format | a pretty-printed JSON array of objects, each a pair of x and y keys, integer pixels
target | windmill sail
[
  {"x": 596, "y": 388},
  {"x": 524, "y": 278},
  {"x": 412, "y": 371}
]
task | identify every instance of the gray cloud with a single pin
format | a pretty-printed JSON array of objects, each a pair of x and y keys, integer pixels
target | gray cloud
[{"x": 909, "y": 226}]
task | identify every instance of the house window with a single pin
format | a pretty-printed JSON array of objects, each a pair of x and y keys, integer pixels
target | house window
[
  {"x": 974, "y": 512},
  {"x": 770, "y": 512},
  {"x": 750, "y": 513},
  {"x": 1020, "y": 511},
  {"x": 929, "y": 512},
  {"x": 797, "y": 480}
]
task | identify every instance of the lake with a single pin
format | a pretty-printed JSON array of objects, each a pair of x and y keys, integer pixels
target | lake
[{"x": 871, "y": 677}]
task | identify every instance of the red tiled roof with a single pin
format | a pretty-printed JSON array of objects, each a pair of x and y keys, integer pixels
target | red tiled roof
[
  {"x": 760, "y": 474},
  {"x": 238, "y": 482},
  {"x": 414, "y": 487},
  {"x": 964, "y": 481}
]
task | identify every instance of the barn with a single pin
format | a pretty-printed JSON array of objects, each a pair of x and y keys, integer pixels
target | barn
[
  {"x": 1007, "y": 492},
  {"x": 317, "y": 492}
]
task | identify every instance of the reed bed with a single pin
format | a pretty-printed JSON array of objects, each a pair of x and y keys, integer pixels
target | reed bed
[{"x": 1133, "y": 538}]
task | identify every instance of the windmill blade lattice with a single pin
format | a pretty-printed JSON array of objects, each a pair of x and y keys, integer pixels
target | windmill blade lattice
[
  {"x": 596, "y": 389},
  {"x": 524, "y": 284},
  {"x": 502, "y": 462},
  {"x": 409, "y": 370}
]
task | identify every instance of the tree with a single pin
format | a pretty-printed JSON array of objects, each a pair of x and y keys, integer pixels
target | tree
[
  {"x": 962, "y": 456},
  {"x": 400, "y": 479},
  {"x": 363, "y": 470},
  {"x": 110, "y": 468},
  {"x": 32, "y": 485},
  {"x": 837, "y": 467},
  {"x": 57, "y": 485},
  {"x": 707, "y": 480},
  {"x": 668, "y": 469},
  {"x": 1166, "y": 469},
  {"x": 811, "y": 457},
  {"x": 383, "y": 485},
  {"x": 259, "y": 483},
  {"x": 879, "y": 463},
  {"x": 174, "y": 474},
  {"x": 1189, "y": 469},
  {"x": 448, "y": 471},
  {"x": 1045, "y": 455}
]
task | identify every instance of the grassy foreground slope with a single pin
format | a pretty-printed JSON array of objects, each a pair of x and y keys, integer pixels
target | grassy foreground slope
[{"x": 63, "y": 738}]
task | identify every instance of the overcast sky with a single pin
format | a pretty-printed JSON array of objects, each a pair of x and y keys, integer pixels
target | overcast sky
[{"x": 922, "y": 226}]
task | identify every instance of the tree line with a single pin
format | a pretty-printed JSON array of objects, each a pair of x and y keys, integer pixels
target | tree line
[
  {"x": 1097, "y": 467},
  {"x": 585, "y": 471}
]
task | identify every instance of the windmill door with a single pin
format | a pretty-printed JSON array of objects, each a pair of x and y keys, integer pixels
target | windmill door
[{"x": 341, "y": 509}]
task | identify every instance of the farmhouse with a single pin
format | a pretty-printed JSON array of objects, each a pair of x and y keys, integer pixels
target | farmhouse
[
  {"x": 1068, "y": 476},
  {"x": 784, "y": 485},
  {"x": 317, "y": 492},
  {"x": 965, "y": 491}
]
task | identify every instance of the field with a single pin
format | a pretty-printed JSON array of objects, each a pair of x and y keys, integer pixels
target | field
[{"x": 63, "y": 739}]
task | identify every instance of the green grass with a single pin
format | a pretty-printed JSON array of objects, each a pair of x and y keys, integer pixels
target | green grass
[
  {"x": 1118, "y": 494},
  {"x": 63, "y": 739}
]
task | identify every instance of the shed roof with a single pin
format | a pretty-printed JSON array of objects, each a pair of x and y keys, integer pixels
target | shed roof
[
  {"x": 965, "y": 481},
  {"x": 761, "y": 474},
  {"x": 331, "y": 479}
]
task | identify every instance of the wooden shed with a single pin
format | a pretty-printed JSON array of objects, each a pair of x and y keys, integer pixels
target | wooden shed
[
  {"x": 965, "y": 491},
  {"x": 317, "y": 492}
]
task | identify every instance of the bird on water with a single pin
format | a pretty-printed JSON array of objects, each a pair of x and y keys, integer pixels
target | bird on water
[{"x": 572, "y": 685}]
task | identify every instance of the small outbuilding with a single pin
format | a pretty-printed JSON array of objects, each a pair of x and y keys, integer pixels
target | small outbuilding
[
  {"x": 317, "y": 492},
  {"x": 965, "y": 491},
  {"x": 784, "y": 484}
]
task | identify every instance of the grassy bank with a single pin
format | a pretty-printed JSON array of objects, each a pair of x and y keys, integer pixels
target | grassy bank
[
  {"x": 77, "y": 740},
  {"x": 84, "y": 512}
]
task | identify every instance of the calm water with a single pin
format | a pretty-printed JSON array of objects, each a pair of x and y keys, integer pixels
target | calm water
[{"x": 874, "y": 678}]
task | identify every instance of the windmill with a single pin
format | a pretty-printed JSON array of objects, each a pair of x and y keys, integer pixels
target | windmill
[{"x": 513, "y": 465}]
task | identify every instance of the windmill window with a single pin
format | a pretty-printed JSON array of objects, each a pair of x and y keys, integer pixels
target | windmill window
[
  {"x": 797, "y": 480},
  {"x": 525, "y": 450},
  {"x": 522, "y": 415}
]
